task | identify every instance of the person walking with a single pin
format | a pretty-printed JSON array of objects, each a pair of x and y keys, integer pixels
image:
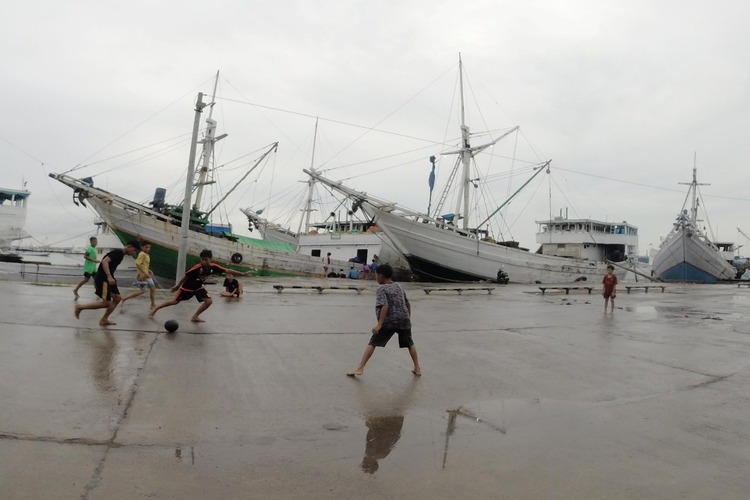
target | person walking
[
  {"x": 89, "y": 264},
  {"x": 106, "y": 284},
  {"x": 393, "y": 311}
]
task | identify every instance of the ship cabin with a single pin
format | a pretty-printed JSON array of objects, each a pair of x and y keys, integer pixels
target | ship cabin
[
  {"x": 346, "y": 240},
  {"x": 13, "y": 198},
  {"x": 727, "y": 249},
  {"x": 587, "y": 239}
]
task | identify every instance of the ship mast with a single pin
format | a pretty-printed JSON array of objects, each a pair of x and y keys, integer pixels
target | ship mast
[
  {"x": 310, "y": 185},
  {"x": 185, "y": 223},
  {"x": 208, "y": 150},
  {"x": 694, "y": 192},
  {"x": 465, "y": 148},
  {"x": 466, "y": 153}
]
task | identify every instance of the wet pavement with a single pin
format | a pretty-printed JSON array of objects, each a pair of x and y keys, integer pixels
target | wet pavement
[{"x": 523, "y": 396}]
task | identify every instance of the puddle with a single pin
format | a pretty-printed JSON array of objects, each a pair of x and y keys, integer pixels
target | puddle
[
  {"x": 476, "y": 432},
  {"x": 664, "y": 311},
  {"x": 642, "y": 310}
]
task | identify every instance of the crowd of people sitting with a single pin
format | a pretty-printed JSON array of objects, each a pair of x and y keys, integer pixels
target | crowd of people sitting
[{"x": 367, "y": 273}]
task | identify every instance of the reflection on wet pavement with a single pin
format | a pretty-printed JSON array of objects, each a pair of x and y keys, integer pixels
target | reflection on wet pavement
[
  {"x": 464, "y": 412},
  {"x": 103, "y": 352},
  {"x": 384, "y": 418},
  {"x": 382, "y": 435}
]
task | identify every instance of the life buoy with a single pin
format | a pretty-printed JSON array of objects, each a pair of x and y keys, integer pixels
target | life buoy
[{"x": 236, "y": 258}]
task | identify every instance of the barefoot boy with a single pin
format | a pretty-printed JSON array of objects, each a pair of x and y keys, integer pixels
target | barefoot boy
[
  {"x": 393, "y": 311},
  {"x": 191, "y": 285},
  {"x": 106, "y": 284},
  {"x": 89, "y": 264},
  {"x": 609, "y": 287},
  {"x": 144, "y": 276}
]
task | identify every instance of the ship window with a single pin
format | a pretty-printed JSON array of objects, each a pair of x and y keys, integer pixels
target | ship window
[{"x": 315, "y": 253}]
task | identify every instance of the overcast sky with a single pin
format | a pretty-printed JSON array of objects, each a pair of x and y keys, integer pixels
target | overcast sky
[{"x": 619, "y": 95}]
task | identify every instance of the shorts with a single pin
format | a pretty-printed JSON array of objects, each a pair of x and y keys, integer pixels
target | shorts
[
  {"x": 87, "y": 274},
  {"x": 381, "y": 338},
  {"x": 143, "y": 284},
  {"x": 200, "y": 294},
  {"x": 105, "y": 290},
  {"x": 608, "y": 293}
]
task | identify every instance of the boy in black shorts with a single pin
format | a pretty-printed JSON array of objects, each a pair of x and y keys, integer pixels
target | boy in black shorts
[
  {"x": 393, "y": 311},
  {"x": 191, "y": 285},
  {"x": 106, "y": 284}
]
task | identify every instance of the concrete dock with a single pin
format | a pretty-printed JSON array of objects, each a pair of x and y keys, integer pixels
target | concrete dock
[{"x": 523, "y": 396}]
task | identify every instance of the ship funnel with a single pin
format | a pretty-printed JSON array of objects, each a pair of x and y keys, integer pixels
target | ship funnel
[{"x": 159, "y": 196}]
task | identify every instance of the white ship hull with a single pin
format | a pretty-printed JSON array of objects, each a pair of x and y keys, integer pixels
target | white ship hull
[
  {"x": 446, "y": 254},
  {"x": 687, "y": 254},
  {"x": 343, "y": 245},
  {"x": 165, "y": 236},
  {"x": 129, "y": 220},
  {"x": 685, "y": 257}
]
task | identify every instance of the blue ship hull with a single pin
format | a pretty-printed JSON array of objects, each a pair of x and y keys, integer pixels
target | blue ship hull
[{"x": 685, "y": 272}]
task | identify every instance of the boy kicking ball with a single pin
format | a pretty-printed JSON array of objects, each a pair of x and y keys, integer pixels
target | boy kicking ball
[
  {"x": 191, "y": 285},
  {"x": 393, "y": 311}
]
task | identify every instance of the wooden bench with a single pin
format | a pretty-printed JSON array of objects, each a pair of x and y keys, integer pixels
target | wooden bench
[
  {"x": 280, "y": 288},
  {"x": 644, "y": 287},
  {"x": 488, "y": 289},
  {"x": 566, "y": 288}
]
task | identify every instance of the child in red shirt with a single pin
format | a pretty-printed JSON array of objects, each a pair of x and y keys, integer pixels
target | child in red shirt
[{"x": 609, "y": 291}]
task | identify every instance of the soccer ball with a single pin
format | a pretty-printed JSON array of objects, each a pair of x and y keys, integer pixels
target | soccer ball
[{"x": 171, "y": 325}]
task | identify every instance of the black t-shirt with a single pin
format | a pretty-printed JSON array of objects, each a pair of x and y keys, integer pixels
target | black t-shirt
[
  {"x": 232, "y": 285},
  {"x": 115, "y": 258},
  {"x": 195, "y": 276}
]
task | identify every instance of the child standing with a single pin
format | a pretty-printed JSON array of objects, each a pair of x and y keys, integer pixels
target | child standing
[
  {"x": 106, "y": 284},
  {"x": 393, "y": 311},
  {"x": 609, "y": 287},
  {"x": 191, "y": 285},
  {"x": 144, "y": 276},
  {"x": 326, "y": 265},
  {"x": 89, "y": 264}
]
